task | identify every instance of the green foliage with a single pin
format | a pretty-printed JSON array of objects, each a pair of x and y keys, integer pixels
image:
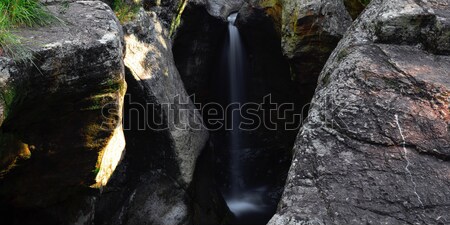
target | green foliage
[
  {"x": 24, "y": 13},
  {"x": 11, "y": 45},
  {"x": 177, "y": 18},
  {"x": 15, "y": 13},
  {"x": 124, "y": 11},
  {"x": 365, "y": 2}
]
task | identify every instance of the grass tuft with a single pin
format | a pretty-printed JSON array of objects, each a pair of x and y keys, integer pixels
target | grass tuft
[
  {"x": 16, "y": 13},
  {"x": 11, "y": 46}
]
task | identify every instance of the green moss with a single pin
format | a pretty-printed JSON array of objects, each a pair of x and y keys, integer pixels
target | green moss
[
  {"x": 326, "y": 79},
  {"x": 111, "y": 86},
  {"x": 108, "y": 90},
  {"x": 7, "y": 96},
  {"x": 342, "y": 54},
  {"x": 95, "y": 103},
  {"x": 268, "y": 3},
  {"x": 124, "y": 11},
  {"x": 105, "y": 96}
]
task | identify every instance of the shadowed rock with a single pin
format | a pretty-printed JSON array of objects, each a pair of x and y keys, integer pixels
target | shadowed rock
[
  {"x": 163, "y": 143},
  {"x": 61, "y": 133}
]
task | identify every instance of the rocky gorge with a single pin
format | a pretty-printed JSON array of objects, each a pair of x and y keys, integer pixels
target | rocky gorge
[{"x": 108, "y": 121}]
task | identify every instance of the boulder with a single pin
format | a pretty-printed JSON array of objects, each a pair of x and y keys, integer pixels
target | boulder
[
  {"x": 150, "y": 61},
  {"x": 310, "y": 32},
  {"x": 220, "y": 8},
  {"x": 164, "y": 139},
  {"x": 375, "y": 147},
  {"x": 61, "y": 136}
]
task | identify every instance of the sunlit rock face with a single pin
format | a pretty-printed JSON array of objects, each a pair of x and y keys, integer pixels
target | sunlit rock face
[
  {"x": 162, "y": 145},
  {"x": 149, "y": 58},
  {"x": 61, "y": 131},
  {"x": 376, "y": 145},
  {"x": 112, "y": 155}
]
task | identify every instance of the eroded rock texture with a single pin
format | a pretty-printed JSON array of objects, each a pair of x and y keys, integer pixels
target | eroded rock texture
[
  {"x": 61, "y": 113},
  {"x": 165, "y": 135},
  {"x": 376, "y": 144},
  {"x": 310, "y": 32}
]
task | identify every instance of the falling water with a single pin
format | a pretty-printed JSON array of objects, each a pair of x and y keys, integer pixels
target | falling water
[
  {"x": 236, "y": 74},
  {"x": 246, "y": 203}
]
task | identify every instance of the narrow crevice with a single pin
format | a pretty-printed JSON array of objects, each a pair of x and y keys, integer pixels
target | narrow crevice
[{"x": 200, "y": 48}]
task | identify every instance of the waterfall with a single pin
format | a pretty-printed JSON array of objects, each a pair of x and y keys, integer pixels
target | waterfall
[
  {"x": 248, "y": 203},
  {"x": 235, "y": 75}
]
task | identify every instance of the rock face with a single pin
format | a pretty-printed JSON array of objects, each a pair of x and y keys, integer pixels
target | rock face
[
  {"x": 196, "y": 54},
  {"x": 149, "y": 58},
  {"x": 375, "y": 147},
  {"x": 261, "y": 24},
  {"x": 61, "y": 116},
  {"x": 162, "y": 145},
  {"x": 274, "y": 9},
  {"x": 310, "y": 32},
  {"x": 220, "y": 8}
]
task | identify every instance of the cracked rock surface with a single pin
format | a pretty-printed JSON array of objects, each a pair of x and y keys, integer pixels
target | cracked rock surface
[{"x": 376, "y": 145}]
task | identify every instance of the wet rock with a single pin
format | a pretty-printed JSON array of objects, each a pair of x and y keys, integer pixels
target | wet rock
[{"x": 375, "y": 147}]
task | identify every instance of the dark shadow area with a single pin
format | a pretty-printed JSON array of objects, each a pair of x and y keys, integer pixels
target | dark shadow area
[
  {"x": 149, "y": 173},
  {"x": 50, "y": 123},
  {"x": 147, "y": 150},
  {"x": 200, "y": 51}
]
